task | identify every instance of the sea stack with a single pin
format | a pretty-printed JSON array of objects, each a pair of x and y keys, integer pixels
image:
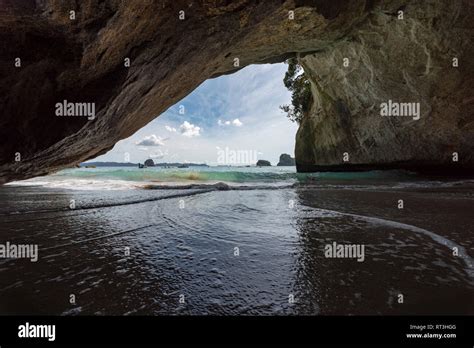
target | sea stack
[
  {"x": 286, "y": 160},
  {"x": 263, "y": 163},
  {"x": 149, "y": 163}
]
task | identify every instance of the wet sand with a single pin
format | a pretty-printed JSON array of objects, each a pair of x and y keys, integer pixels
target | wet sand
[{"x": 182, "y": 251}]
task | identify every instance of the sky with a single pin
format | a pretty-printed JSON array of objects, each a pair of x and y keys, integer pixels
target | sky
[{"x": 229, "y": 120}]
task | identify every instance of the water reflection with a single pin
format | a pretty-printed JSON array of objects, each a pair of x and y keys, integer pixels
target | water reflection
[{"x": 225, "y": 253}]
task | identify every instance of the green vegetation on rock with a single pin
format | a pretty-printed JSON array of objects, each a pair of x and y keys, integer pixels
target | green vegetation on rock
[{"x": 297, "y": 82}]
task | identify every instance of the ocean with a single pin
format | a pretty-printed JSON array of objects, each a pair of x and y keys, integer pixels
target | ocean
[{"x": 237, "y": 241}]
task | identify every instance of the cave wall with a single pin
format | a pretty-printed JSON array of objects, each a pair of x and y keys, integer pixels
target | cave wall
[
  {"x": 82, "y": 60},
  {"x": 403, "y": 58}
]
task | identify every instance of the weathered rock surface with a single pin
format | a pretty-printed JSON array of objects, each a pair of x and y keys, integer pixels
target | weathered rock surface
[
  {"x": 82, "y": 60},
  {"x": 286, "y": 160},
  {"x": 263, "y": 163},
  {"x": 402, "y": 60}
]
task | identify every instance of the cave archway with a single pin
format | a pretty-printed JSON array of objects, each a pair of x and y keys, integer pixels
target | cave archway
[{"x": 133, "y": 60}]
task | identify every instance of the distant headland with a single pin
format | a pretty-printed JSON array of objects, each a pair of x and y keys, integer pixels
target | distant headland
[{"x": 130, "y": 164}]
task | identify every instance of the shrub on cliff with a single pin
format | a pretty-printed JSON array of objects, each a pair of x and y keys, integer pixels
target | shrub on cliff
[{"x": 297, "y": 82}]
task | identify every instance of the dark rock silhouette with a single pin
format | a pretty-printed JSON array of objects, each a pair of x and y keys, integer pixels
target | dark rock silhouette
[
  {"x": 286, "y": 160},
  {"x": 149, "y": 163},
  {"x": 263, "y": 163}
]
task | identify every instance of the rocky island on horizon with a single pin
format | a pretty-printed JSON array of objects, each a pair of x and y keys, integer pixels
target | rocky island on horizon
[
  {"x": 130, "y": 164},
  {"x": 286, "y": 160}
]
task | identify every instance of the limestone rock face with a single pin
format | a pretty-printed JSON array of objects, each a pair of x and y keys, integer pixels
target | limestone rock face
[
  {"x": 399, "y": 60},
  {"x": 49, "y": 54}
]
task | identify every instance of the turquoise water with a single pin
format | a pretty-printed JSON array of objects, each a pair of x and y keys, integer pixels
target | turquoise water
[
  {"x": 135, "y": 240},
  {"x": 125, "y": 178},
  {"x": 131, "y": 177},
  {"x": 203, "y": 174}
]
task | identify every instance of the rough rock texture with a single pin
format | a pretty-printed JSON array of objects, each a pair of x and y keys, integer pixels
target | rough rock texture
[
  {"x": 403, "y": 60},
  {"x": 286, "y": 160},
  {"x": 82, "y": 60}
]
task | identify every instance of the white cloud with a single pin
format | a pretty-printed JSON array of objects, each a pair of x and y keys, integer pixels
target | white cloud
[
  {"x": 189, "y": 130},
  {"x": 223, "y": 123},
  {"x": 237, "y": 122},
  {"x": 151, "y": 140},
  {"x": 225, "y": 98},
  {"x": 170, "y": 129}
]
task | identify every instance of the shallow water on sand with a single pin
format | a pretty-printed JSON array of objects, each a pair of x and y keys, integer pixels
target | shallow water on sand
[{"x": 183, "y": 248}]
